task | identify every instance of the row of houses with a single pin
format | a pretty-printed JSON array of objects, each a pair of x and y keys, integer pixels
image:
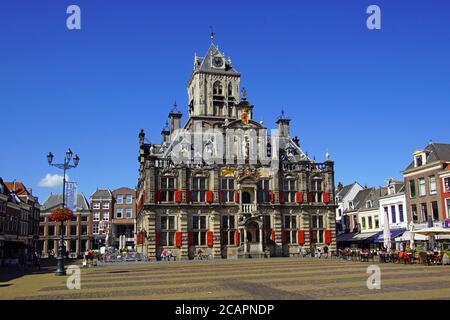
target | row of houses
[
  {"x": 108, "y": 217},
  {"x": 420, "y": 199},
  {"x": 19, "y": 220}
]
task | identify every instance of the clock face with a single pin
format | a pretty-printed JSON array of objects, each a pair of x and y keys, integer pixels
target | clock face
[{"x": 217, "y": 62}]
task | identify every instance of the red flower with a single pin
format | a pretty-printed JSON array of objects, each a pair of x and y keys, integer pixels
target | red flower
[{"x": 61, "y": 214}]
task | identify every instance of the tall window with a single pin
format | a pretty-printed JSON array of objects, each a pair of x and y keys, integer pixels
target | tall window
[
  {"x": 119, "y": 199},
  {"x": 432, "y": 180},
  {"x": 167, "y": 230},
  {"x": 95, "y": 228},
  {"x": 422, "y": 190},
  {"x": 317, "y": 229},
  {"x": 198, "y": 189},
  {"x": 434, "y": 206},
  {"x": 424, "y": 211},
  {"x": 289, "y": 190},
  {"x": 370, "y": 222},
  {"x": 393, "y": 213},
  {"x": 400, "y": 213},
  {"x": 119, "y": 213},
  {"x": 316, "y": 188},
  {"x": 227, "y": 189},
  {"x": 128, "y": 199},
  {"x": 267, "y": 228},
  {"x": 199, "y": 230},
  {"x": 363, "y": 223},
  {"x": 51, "y": 231},
  {"x": 419, "y": 161},
  {"x": 96, "y": 205},
  {"x": 105, "y": 216},
  {"x": 228, "y": 230},
  {"x": 377, "y": 223},
  {"x": 167, "y": 189},
  {"x": 290, "y": 229},
  {"x": 128, "y": 213},
  {"x": 218, "y": 89},
  {"x": 412, "y": 188},
  {"x": 96, "y": 216},
  {"x": 414, "y": 212},
  {"x": 105, "y": 205},
  {"x": 263, "y": 191},
  {"x": 447, "y": 184}
]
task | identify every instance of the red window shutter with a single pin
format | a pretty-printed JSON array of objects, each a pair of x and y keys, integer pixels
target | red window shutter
[
  {"x": 158, "y": 238},
  {"x": 236, "y": 237},
  {"x": 157, "y": 196},
  {"x": 178, "y": 238},
  {"x": 209, "y": 238},
  {"x": 178, "y": 196},
  {"x": 190, "y": 238},
  {"x": 272, "y": 235},
  {"x": 299, "y": 197},
  {"x": 236, "y": 197},
  {"x": 301, "y": 237},
  {"x": 281, "y": 197},
  {"x": 209, "y": 196},
  {"x": 328, "y": 236},
  {"x": 271, "y": 197},
  {"x": 326, "y": 197}
]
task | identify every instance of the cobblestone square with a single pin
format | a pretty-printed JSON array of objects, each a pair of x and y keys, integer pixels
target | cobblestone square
[{"x": 269, "y": 279}]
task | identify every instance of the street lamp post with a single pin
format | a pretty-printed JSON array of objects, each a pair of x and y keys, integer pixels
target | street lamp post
[{"x": 66, "y": 165}]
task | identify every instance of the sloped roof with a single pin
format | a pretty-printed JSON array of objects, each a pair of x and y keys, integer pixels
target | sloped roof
[
  {"x": 372, "y": 194},
  {"x": 18, "y": 188},
  {"x": 345, "y": 190},
  {"x": 203, "y": 64},
  {"x": 102, "y": 194},
  {"x": 437, "y": 152},
  {"x": 55, "y": 200}
]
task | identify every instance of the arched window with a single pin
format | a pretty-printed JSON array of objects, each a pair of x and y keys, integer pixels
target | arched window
[
  {"x": 230, "y": 89},
  {"x": 217, "y": 88}
]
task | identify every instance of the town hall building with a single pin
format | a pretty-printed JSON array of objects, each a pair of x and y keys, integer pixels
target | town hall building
[{"x": 227, "y": 185}]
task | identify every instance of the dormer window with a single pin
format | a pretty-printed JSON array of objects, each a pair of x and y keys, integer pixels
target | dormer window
[
  {"x": 350, "y": 205},
  {"x": 369, "y": 204},
  {"x": 419, "y": 161}
]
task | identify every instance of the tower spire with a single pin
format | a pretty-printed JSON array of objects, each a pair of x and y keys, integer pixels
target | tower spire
[{"x": 212, "y": 34}]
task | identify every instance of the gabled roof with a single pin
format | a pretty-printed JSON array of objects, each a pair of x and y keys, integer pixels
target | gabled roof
[
  {"x": 436, "y": 152},
  {"x": 55, "y": 200},
  {"x": 102, "y": 194},
  {"x": 203, "y": 64},
  {"x": 369, "y": 194},
  {"x": 18, "y": 188},
  {"x": 346, "y": 189}
]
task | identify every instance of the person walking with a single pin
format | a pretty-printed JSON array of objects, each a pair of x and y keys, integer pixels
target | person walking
[{"x": 37, "y": 260}]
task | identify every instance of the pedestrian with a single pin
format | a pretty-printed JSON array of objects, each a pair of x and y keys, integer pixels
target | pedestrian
[
  {"x": 299, "y": 252},
  {"x": 325, "y": 251},
  {"x": 37, "y": 260},
  {"x": 319, "y": 252},
  {"x": 164, "y": 255}
]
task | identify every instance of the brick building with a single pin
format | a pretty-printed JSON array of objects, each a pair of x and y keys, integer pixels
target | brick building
[
  {"x": 423, "y": 190},
  {"x": 19, "y": 220},
  {"x": 101, "y": 204},
  {"x": 124, "y": 219},
  {"x": 77, "y": 231}
]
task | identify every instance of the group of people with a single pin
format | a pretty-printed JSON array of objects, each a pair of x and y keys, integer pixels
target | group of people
[
  {"x": 313, "y": 252},
  {"x": 88, "y": 259},
  {"x": 167, "y": 255}
]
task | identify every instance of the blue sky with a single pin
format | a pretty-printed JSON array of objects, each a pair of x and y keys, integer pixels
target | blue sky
[{"x": 370, "y": 97}]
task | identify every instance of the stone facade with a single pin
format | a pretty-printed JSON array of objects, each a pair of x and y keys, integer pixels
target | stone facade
[{"x": 230, "y": 204}]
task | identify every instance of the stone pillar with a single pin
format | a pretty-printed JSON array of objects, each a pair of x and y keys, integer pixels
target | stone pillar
[
  {"x": 184, "y": 221},
  {"x": 215, "y": 223},
  {"x": 151, "y": 234},
  {"x": 260, "y": 239}
]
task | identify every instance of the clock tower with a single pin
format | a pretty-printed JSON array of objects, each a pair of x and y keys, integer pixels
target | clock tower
[{"x": 213, "y": 89}]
